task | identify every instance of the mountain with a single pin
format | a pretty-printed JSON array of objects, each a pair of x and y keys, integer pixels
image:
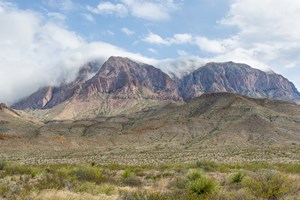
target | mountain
[
  {"x": 123, "y": 86},
  {"x": 15, "y": 124},
  {"x": 50, "y": 96},
  {"x": 237, "y": 78},
  {"x": 121, "y": 78},
  {"x": 211, "y": 120}
]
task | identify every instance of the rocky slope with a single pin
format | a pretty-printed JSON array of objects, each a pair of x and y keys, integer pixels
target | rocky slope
[
  {"x": 50, "y": 96},
  {"x": 122, "y": 86},
  {"x": 237, "y": 78},
  {"x": 217, "y": 119},
  {"x": 16, "y": 124}
]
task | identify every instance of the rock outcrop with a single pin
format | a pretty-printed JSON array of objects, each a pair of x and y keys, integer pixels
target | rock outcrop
[{"x": 237, "y": 78}]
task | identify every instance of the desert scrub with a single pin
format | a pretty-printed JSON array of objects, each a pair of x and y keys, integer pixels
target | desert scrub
[
  {"x": 202, "y": 187},
  {"x": 268, "y": 184},
  {"x": 208, "y": 166},
  {"x": 179, "y": 183},
  {"x": 236, "y": 177},
  {"x": 11, "y": 169},
  {"x": 130, "y": 179},
  {"x": 146, "y": 196},
  {"x": 88, "y": 174},
  {"x": 2, "y": 165},
  {"x": 194, "y": 175},
  {"x": 4, "y": 188},
  {"x": 95, "y": 189}
]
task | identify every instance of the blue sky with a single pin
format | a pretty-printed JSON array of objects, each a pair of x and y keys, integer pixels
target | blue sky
[{"x": 45, "y": 41}]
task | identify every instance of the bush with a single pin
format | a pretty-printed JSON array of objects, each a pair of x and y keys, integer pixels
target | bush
[
  {"x": 14, "y": 169},
  {"x": 2, "y": 165},
  {"x": 268, "y": 184},
  {"x": 208, "y": 166},
  {"x": 4, "y": 188},
  {"x": 202, "y": 186},
  {"x": 51, "y": 181},
  {"x": 236, "y": 177},
  {"x": 145, "y": 196},
  {"x": 94, "y": 189},
  {"x": 194, "y": 176},
  {"x": 127, "y": 173},
  {"x": 133, "y": 181},
  {"x": 90, "y": 174},
  {"x": 179, "y": 183}
]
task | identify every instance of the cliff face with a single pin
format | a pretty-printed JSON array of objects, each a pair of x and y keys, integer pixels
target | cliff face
[
  {"x": 51, "y": 96},
  {"x": 122, "y": 78},
  {"x": 121, "y": 84},
  {"x": 237, "y": 78}
]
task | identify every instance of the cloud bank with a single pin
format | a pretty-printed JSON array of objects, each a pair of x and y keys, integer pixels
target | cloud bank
[
  {"x": 37, "y": 51},
  {"x": 148, "y": 10}
]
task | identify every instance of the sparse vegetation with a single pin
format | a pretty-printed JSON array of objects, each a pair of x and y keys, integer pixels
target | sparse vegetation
[
  {"x": 149, "y": 182},
  {"x": 236, "y": 177},
  {"x": 268, "y": 184},
  {"x": 202, "y": 186}
]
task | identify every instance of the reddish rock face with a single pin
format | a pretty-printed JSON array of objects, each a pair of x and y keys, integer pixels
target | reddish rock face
[
  {"x": 123, "y": 78},
  {"x": 2, "y": 106},
  {"x": 237, "y": 78},
  {"x": 120, "y": 78}
]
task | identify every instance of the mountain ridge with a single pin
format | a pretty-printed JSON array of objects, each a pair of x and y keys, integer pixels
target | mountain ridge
[{"x": 121, "y": 85}]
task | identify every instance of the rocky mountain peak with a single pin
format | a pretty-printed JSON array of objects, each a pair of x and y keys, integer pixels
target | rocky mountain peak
[
  {"x": 122, "y": 84},
  {"x": 2, "y": 106},
  {"x": 124, "y": 78},
  {"x": 237, "y": 78}
]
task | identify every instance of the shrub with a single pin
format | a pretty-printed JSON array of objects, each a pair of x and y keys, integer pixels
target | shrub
[
  {"x": 4, "y": 188},
  {"x": 94, "y": 189},
  {"x": 133, "y": 181},
  {"x": 90, "y": 174},
  {"x": 194, "y": 176},
  {"x": 207, "y": 166},
  {"x": 236, "y": 177},
  {"x": 202, "y": 186},
  {"x": 51, "y": 181},
  {"x": 145, "y": 196},
  {"x": 179, "y": 183},
  {"x": 14, "y": 169},
  {"x": 234, "y": 195},
  {"x": 127, "y": 173},
  {"x": 2, "y": 165},
  {"x": 268, "y": 184}
]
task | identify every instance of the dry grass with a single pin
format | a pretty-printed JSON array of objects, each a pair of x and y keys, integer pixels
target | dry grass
[
  {"x": 10, "y": 136},
  {"x": 169, "y": 181},
  {"x": 67, "y": 195}
]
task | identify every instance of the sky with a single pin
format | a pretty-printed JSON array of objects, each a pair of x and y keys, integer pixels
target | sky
[{"x": 45, "y": 42}]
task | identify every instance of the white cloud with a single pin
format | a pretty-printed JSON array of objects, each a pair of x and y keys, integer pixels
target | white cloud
[
  {"x": 182, "y": 53},
  {"x": 152, "y": 50},
  {"x": 108, "y": 8},
  {"x": 35, "y": 52},
  {"x": 153, "y": 38},
  {"x": 63, "y": 5},
  {"x": 268, "y": 33},
  {"x": 183, "y": 38},
  {"x": 88, "y": 17},
  {"x": 127, "y": 31},
  {"x": 212, "y": 46},
  {"x": 205, "y": 44},
  {"x": 145, "y": 9},
  {"x": 57, "y": 17}
]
